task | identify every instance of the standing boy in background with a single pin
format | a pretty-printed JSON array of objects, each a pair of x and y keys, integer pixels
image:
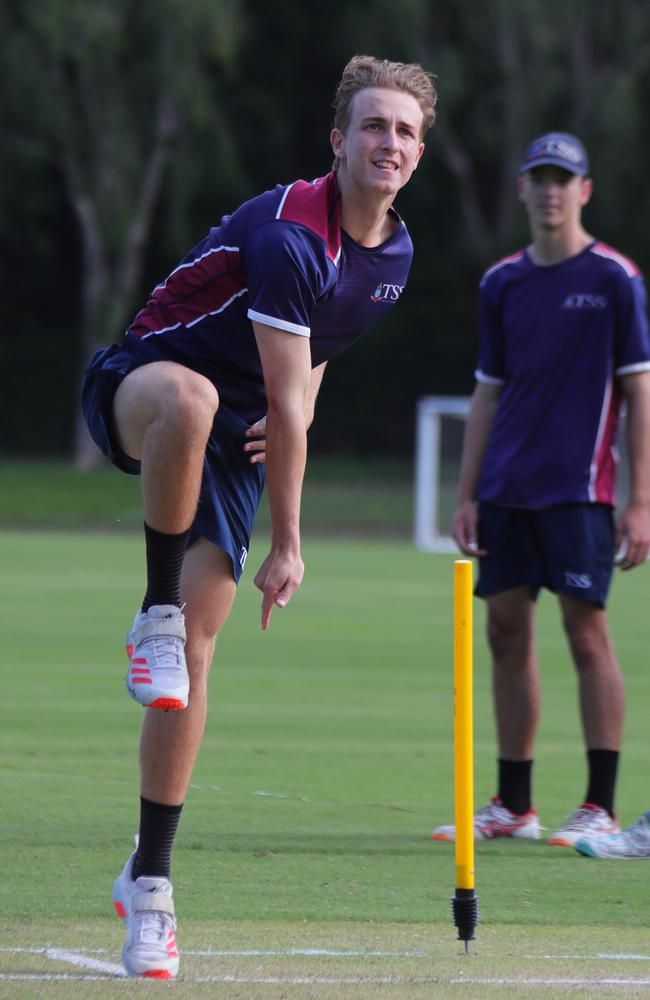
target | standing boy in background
[
  {"x": 232, "y": 345},
  {"x": 564, "y": 340}
]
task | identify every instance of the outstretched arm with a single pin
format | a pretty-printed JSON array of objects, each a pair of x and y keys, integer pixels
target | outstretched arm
[
  {"x": 633, "y": 525},
  {"x": 477, "y": 432},
  {"x": 286, "y": 363}
]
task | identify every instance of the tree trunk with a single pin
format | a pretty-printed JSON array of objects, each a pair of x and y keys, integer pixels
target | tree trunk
[{"x": 107, "y": 292}]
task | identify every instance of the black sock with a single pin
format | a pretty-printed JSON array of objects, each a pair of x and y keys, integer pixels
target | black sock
[
  {"x": 514, "y": 784},
  {"x": 165, "y": 555},
  {"x": 603, "y": 766},
  {"x": 158, "y": 825}
]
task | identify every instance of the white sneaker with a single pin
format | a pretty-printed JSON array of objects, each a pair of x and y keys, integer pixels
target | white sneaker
[
  {"x": 586, "y": 821},
  {"x": 494, "y": 820},
  {"x": 632, "y": 842},
  {"x": 146, "y": 906},
  {"x": 157, "y": 675}
]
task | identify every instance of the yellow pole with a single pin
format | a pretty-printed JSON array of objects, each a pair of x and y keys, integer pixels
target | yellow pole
[{"x": 463, "y": 725}]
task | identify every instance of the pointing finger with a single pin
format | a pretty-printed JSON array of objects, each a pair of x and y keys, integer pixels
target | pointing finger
[{"x": 267, "y": 608}]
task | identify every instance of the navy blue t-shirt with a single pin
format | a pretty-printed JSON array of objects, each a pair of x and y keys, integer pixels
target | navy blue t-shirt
[
  {"x": 555, "y": 338},
  {"x": 280, "y": 259}
]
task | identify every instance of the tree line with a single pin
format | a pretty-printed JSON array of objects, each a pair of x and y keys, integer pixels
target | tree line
[{"x": 130, "y": 128}]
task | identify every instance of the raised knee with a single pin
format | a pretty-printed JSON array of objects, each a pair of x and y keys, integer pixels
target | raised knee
[
  {"x": 191, "y": 401},
  {"x": 164, "y": 397}
]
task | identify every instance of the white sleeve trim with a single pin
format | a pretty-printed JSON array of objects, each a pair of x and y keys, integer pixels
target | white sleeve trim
[
  {"x": 487, "y": 379},
  {"x": 278, "y": 214},
  {"x": 279, "y": 324},
  {"x": 640, "y": 366}
]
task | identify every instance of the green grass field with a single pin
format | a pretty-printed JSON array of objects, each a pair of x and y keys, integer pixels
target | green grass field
[
  {"x": 341, "y": 496},
  {"x": 304, "y": 865}
]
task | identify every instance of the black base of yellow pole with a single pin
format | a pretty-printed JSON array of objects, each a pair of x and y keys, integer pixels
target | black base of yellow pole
[{"x": 465, "y": 909}]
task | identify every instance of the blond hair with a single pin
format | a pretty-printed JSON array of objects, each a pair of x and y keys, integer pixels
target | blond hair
[{"x": 367, "y": 71}]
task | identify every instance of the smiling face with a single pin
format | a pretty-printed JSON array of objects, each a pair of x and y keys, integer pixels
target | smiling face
[
  {"x": 382, "y": 144},
  {"x": 553, "y": 197}
]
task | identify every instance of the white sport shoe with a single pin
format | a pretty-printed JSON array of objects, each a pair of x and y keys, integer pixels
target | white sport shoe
[
  {"x": 494, "y": 820},
  {"x": 146, "y": 906},
  {"x": 632, "y": 842},
  {"x": 586, "y": 821},
  {"x": 157, "y": 675}
]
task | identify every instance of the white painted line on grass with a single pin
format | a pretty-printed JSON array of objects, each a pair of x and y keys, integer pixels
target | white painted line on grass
[
  {"x": 322, "y": 980},
  {"x": 83, "y": 961},
  {"x": 331, "y": 953},
  {"x": 49, "y": 977},
  {"x": 623, "y": 957},
  {"x": 298, "y": 952},
  {"x": 23, "y": 950},
  {"x": 237, "y": 953},
  {"x": 94, "y": 967},
  {"x": 549, "y": 981},
  {"x": 599, "y": 956},
  {"x": 617, "y": 982},
  {"x": 281, "y": 795}
]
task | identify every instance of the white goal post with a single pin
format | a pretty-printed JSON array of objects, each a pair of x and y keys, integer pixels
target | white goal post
[{"x": 439, "y": 427}]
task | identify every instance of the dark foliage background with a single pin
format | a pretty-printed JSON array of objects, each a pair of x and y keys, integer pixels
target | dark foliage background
[{"x": 130, "y": 128}]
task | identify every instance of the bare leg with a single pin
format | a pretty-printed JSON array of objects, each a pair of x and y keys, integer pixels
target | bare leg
[
  {"x": 515, "y": 672},
  {"x": 602, "y": 697},
  {"x": 170, "y": 741},
  {"x": 163, "y": 415}
]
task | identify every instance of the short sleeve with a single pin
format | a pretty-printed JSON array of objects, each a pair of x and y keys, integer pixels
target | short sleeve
[
  {"x": 632, "y": 343},
  {"x": 491, "y": 364},
  {"x": 286, "y": 270}
]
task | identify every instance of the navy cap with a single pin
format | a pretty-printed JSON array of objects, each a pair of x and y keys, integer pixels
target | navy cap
[{"x": 560, "y": 149}]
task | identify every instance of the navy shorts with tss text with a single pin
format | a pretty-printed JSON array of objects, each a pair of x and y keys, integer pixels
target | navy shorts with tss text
[
  {"x": 231, "y": 487},
  {"x": 567, "y": 549}
]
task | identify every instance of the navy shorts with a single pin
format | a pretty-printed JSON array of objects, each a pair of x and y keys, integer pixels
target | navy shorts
[
  {"x": 568, "y": 549},
  {"x": 231, "y": 487}
]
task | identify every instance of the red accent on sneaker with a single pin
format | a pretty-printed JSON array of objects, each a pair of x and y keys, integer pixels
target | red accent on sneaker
[
  {"x": 119, "y": 909},
  {"x": 560, "y": 838},
  {"x": 168, "y": 704},
  {"x": 139, "y": 659},
  {"x": 493, "y": 820}
]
